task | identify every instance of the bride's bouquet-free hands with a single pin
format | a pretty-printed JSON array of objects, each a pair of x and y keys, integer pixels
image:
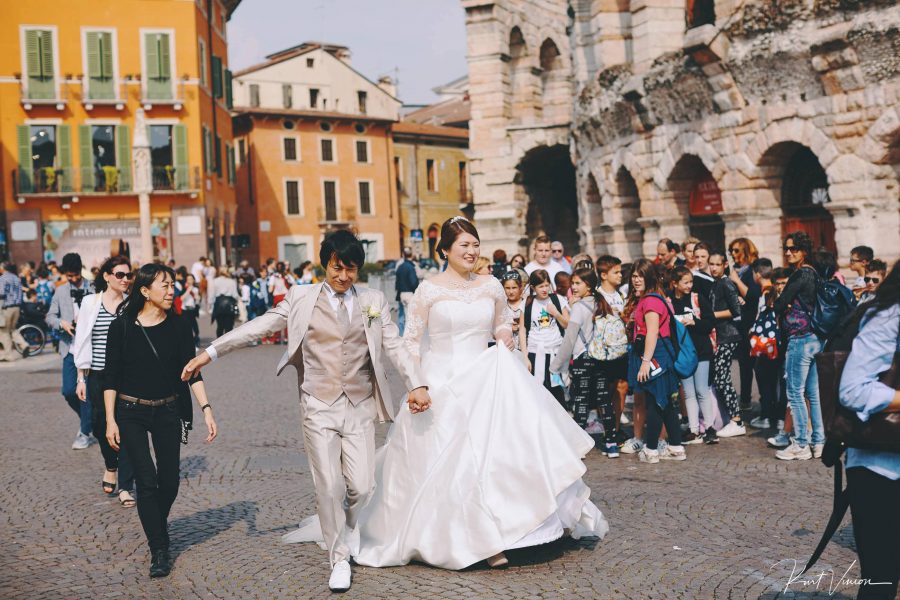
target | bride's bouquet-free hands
[{"x": 418, "y": 400}]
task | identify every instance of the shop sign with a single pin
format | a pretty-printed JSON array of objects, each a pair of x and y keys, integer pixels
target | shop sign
[{"x": 706, "y": 198}]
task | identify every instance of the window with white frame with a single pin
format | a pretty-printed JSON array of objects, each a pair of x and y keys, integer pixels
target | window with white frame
[
  {"x": 362, "y": 151},
  {"x": 40, "y": 63},
  {"x": 204, "y": 74},
  {"x": 330, "y": 198},
  {"x": 291, "y": 150},
  {"x": 293, "y": 203},
  {"x": 364, "y": 188},
  {"x": 99, "y": 64},
  {"x": 326, "y": 150}
]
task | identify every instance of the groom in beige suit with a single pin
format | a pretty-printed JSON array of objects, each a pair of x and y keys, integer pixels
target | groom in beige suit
[{"x": 336, "y": 335}]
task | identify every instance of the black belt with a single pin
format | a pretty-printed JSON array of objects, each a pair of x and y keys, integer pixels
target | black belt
[{"x": 160, "y": 402}]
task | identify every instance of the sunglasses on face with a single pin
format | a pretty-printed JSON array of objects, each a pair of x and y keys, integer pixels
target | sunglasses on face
[
  {"x": 556, "y": 251},
  {"x": 122, "y": 275},
  {"x": 791, "y": 249},
  {"x": 872, "y": 279}
]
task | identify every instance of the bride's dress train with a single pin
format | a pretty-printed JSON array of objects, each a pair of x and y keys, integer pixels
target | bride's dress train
[{"x": 494, "y": 464}]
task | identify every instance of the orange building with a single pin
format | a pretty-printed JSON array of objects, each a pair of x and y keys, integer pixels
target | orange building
[
  {"x": 72, "y": 77},
  {"x": 315, "y": 153}
]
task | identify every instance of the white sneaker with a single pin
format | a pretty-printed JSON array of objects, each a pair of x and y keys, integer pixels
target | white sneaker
[
  {"x": 624, "y": 420},
  {"x": 648, "y": 456},
  {"x": 760, "y": 423},
  {"x": 732, "y": 430},
  {"x": 340, "y": 577},
  {"x": 632, "y": 446},
  {"x": 794, "y": 452},
  {"x": 673, "y": 453},
  {"x": 81, "y": 442},
  {"x": 817, "y": 450}
]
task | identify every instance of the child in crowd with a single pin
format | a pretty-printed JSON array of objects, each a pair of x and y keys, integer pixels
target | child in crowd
[
  {"x": 563, "y": 283},
  {"x": 609, "y": 273},
  {"x": 546, "y": 318},
  {"x": 513, "y": 285},
  {"x": 776, "y": 377}
]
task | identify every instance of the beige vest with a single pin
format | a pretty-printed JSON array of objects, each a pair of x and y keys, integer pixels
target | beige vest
[{"x": 333, "y": 364}]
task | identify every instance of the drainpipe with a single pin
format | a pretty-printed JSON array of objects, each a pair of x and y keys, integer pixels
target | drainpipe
[{"x": 212, "y": 97}]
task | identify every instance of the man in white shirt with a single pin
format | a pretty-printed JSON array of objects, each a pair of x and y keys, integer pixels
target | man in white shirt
[
  {"x": 542, "y": 258},
  {"x": 558, "y": 255}
]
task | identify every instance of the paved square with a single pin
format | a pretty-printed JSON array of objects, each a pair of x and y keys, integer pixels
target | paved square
[{"x": 710, "y": 527}]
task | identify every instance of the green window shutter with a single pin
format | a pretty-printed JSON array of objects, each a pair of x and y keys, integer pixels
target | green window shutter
[
  {"x": 92, "y": 39},
  {"x": 206, "y": 151},
  {"x": 201, "y": 52},
  {"x": 218, "y": 152},
  {"x": 86, "y": 157},
  {"x": 229, "y": 100},
  {"x": 231, "y": 166},
  {"x": 23, "y": 136},
  {"x": 217, "y": 76},
  {"x": 64, "y": 154},
  {"x": 101, "y": 84},
  {"x": 39, "y": 60},
  {"x": 123, "y": 157},
  {"x": 179, "y": 135},
  {"x": 159, "y": 71}
]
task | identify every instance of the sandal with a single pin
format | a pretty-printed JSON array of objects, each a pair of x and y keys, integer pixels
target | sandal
[
  {"x": 109, "y": 487},
  {"x": 127, "y": 501}
]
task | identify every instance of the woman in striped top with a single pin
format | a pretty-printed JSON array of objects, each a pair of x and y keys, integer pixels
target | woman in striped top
[{"x": 94, "y": 316}]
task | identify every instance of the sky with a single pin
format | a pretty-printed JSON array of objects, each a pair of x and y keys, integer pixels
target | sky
[{"x": 424, "y": 40}]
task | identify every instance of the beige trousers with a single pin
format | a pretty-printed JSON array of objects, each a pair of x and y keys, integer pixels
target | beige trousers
[
  {"x": 340, "y": 443},
  {"x": 9, "y": 334}
]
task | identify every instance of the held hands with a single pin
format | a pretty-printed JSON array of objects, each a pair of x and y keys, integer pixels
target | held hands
[
  {"x": 419, "y": 400},
  {"x": 193, "y": 367}
]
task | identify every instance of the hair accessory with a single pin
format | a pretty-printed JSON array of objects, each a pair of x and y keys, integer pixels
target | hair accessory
[{"x": 458, "y": 218}]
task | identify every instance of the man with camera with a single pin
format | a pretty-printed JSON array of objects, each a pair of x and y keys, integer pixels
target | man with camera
[{"x": 62, "y": 317}]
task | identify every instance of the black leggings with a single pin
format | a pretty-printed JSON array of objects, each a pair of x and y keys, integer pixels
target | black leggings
[
  {"x": 876, "y": 528},
  {"x": 114, "y": 461},
  {"x": 656, "y": 417},
  {"x": 157, "y": 485},
  {"x": 745, "y": 364},
  {"x": 722, "y": 378},
  {"x": 592, "y": 387},
  {"x": 224, "y": 324}
]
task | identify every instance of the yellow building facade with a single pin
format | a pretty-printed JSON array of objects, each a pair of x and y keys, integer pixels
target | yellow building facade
[
  {"x": 73, "y": 77},
  {"x": 432, "y": 181}
]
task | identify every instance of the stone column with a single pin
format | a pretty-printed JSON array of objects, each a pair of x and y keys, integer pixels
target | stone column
[
  {"x": 143, "y": 182},
  {"x": 657, "y": 28}
]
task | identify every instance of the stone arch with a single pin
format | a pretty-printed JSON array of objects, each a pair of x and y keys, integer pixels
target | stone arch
[
  {"x": 692, "y": 143},
  {"x": 881, "y": 144},
  {"x": 556, "y": 93},
  {"x": 546, "y": 189},
  {"x": 623, "y": 233},
  {"x": 794, "y": 130},
  {"x": 522, "y": 99},
  {"x": 593, "y": 229},
  {"x": 799, "y": 183},
  {"x": 694, "y": 192}
]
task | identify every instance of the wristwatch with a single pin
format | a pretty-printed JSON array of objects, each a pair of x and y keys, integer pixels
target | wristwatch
[{"x": 82, "y": 380}]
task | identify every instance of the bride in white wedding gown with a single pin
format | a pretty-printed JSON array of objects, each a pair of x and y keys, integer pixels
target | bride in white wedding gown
[{"x": 495, "y": 463}]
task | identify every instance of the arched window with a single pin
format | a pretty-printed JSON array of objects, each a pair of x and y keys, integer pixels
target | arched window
[{"x": 700, "y": 12}]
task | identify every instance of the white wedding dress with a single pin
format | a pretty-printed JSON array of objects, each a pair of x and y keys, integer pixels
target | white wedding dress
[{"x": 494, "y": 464}]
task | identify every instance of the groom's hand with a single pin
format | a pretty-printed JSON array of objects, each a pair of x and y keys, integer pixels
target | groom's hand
[
  {"x": 419, "y": 400},
  {"x": 193, "y": 367}
]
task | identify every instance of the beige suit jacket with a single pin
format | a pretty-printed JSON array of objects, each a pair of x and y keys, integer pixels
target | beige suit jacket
[{"x": 295, "y": 312}]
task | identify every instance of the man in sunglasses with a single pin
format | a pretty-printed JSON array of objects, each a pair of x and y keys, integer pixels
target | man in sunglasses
[
  {"x": 61, "y": 316},
  {"x": 876, "y": 271}
]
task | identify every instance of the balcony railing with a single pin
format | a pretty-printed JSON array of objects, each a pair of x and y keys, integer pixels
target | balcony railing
[
  {"x": 173, "y": 95},
  {"x": 43, "y": 92},
  {"x": 107, "y": 180},
  {"x": 337, "y": 218},
  {"x": 103, "y": 93}
]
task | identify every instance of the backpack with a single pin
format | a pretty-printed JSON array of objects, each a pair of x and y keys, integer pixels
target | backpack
[
  {"x": 834, "y": 303},
  {"x": 555, "y": 300},
  {"x": 685, "y": 357},
  {"x": 257, "y": 299},
  {"x": 765, "y": 335},
  {"x": 608, "y": 340}
]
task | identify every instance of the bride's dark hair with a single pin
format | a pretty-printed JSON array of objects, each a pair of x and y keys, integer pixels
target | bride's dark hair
[{"x": 452, "y": 229}]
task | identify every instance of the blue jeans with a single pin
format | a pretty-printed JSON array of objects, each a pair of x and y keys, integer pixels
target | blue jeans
[
  {"x": 698, "y": 397},
  {"x": 69, "y": 382},
  {"x": 800, "y": 368},
  {"x": 401, "y": 318}
]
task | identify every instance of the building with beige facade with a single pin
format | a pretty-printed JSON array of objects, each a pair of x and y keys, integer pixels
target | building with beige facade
[
  {"x": 610, "y": 124},
  {"x": 314, "y": 154}
]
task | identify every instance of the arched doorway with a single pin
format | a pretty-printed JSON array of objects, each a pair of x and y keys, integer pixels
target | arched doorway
[
  {"x": 555, "y": 95},
  {"x": 700, "y": 12},
  {"x": 520, "y": 100},
  {"x": 803, "y": 192},
  {"x": 630, "y": 205},
  {"x": 546, "y": 176},
  {"x": 696, "y": 194},
  {"x": 594, "y": 231}
]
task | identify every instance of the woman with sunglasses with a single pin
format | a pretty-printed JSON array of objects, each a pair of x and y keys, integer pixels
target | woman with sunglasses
[
  {"x": 794, "y": 306},
  {"x": 94, "y": 316}
]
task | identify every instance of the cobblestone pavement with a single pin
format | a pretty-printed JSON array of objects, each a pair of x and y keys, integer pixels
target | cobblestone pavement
[{"x": 710, "y": 527}]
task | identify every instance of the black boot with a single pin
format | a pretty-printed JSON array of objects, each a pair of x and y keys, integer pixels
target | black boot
[{"x": 160, "y": 563}]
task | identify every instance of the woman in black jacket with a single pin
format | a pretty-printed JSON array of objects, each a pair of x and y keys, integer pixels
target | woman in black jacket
[
  {"x": 147, "y": 347},
  {"x": 727, "y": 310},
  {"x": 696, "y": 314}
]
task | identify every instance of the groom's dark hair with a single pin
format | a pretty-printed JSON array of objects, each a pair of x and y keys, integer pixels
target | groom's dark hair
[{"x": 344, "y": 246}]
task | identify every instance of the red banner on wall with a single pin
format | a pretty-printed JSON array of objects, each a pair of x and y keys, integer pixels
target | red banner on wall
[{"x": 706, "y": 198}]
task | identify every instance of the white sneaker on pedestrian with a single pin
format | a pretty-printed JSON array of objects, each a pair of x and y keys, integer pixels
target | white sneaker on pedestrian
[
  {"x": 648, "y": 456},
  {"x": 817, "y": 450},
  {"x": 672, "y": 453},
  {"x": 624, "y": 420},
  {"x": 340, "y": 577},
  {"x": 794, "y": 452},
  {"x": 81, "y": 442},
  {"x": 632, "y": 446},
  {"x": 732, "y": 430},
  {"x": 760, "y": 423}
]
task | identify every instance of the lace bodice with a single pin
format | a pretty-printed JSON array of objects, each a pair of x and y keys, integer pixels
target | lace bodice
[{"x": 456, "y": 324}]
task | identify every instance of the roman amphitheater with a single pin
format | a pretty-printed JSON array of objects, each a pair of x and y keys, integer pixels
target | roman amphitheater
[{"x": 610, "y": 124}]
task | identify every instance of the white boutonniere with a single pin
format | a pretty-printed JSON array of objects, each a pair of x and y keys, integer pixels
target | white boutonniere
[{"x": 371, "y": 313}]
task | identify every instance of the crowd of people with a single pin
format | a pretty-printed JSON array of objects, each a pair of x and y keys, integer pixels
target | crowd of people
[{"x": 600, "y": 334}]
